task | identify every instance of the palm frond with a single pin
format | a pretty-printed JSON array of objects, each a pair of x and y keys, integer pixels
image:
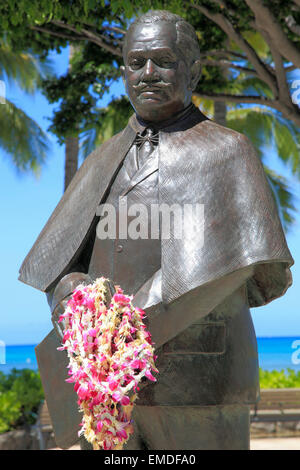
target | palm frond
[
  {"x": 23, "y": 68},
  {"x": 284, "y": 198},
  {"x": 22, "y": 138},
  {"x": 206, "y": 106},
  {"x": 244, "y": 84},
  {"x": 265, "y": 129},
  {"x": 110, "y": 121},
  {"x": 255, "y": 123}
]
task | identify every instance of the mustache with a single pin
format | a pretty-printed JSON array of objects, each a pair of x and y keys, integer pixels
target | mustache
[{"x": 142, "y": 86}]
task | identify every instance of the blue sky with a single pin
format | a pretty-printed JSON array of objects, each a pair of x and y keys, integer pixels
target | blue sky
[{"x": 26, "y": 204}]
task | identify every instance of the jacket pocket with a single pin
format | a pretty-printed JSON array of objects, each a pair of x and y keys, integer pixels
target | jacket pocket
[{"x": 199, "y": 338}]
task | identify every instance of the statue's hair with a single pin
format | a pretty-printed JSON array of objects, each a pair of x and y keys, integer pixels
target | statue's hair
[{"x": 187, "y": 41}]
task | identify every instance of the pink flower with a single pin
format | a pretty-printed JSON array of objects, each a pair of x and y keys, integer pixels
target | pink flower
[
  {"x": 113, "y": 384},
  {"x": 102, "y": 309},
  {"x": 125, "y": 401},
  {"x": 67, "y": 335},
  {"x": 107, "y": 445},
  {"x": 121, "y": 299},
  {"x": 71, "y": 304},
  {"x": 99, "y": 426},
  {"x": 127, "y": 312},
  {"x": 78, "y": 297},
  {"x": 92, "y": 332},
  {"x": 122, "y": 434},
  {"x": 70, "y": 380},
  {"x": 148, "y": 337},
  {"x": 116, "y": 396},
  {"x": 62, "y": 317},
  {"x": 89, "y": 303},
  {"x": 140, "y": 312},
  {"x": 135, "y": 364},
  {"x": 83, "y": 392},
  {"x": 150, "y": 376}
]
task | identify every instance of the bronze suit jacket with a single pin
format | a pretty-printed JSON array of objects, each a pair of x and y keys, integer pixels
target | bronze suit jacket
[{"x": 199, "y": 162}]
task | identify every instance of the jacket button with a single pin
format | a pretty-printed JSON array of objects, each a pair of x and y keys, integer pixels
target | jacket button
[{"x": 119, "y": 248}]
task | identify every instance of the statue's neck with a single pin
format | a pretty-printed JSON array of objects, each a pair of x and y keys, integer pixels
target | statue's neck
[{"x": 180, "y": 115}]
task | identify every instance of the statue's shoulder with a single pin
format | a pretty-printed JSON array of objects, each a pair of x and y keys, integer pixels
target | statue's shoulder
[{"x": 225, "y": 141}]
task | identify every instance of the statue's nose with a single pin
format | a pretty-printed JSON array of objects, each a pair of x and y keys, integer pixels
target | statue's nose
[{"x": 150, "y": 71}]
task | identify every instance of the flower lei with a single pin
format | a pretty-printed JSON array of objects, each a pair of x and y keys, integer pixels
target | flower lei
[{"x": 110, "y": 351}]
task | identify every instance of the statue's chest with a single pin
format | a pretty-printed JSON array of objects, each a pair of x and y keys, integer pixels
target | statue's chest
[{"x": 127, "y": 244}]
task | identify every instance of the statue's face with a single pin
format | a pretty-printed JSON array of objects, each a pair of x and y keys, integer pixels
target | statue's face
[{"x": 156, "y": 77}]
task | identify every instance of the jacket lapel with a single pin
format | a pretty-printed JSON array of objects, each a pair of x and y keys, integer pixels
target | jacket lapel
[{"x": 142, "y": 173}]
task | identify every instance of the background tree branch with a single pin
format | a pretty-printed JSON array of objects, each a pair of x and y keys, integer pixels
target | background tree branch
[
  {"x": 265, "y": 21},
  {"x": 234, "y": 34}
]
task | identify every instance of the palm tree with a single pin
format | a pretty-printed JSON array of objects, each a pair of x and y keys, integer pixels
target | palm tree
[
  {"x": 266, "y": 129},
  {"x": 71, "y": 142},
  {"x": 20, "y": 136},
  {"x": 264, "y": 126}
]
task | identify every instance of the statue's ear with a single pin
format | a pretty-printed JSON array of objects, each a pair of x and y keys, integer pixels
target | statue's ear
[
  {"x": 195, "y": 74},
  {"x": 122, "y": 68}
]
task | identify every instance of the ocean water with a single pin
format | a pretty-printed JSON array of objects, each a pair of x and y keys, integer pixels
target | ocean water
[
  {"x": 274, "y": 354},
  {"x": 19, "y": 357},
  {"x": 279, "y": 353}
]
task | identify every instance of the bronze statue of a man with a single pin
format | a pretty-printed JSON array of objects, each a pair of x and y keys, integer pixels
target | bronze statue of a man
[{"x": 196, "y": 288}]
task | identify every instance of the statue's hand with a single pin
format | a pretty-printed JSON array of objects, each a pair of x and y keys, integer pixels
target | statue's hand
[
  {"x": 58, "y": 311},
  {"x": 62, "y": 305},
  {"x": 61, "y": 295}
]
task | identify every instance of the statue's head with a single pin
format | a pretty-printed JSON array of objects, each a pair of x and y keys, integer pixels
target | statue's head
[{"x": 162, "y": 67}]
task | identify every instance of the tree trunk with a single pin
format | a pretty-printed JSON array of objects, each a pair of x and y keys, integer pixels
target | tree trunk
[
  {"x": 71, "y": 146},
  {"x": 71, "y": 159},
  {"x": 220, "y": 110},
  {"x": 220, "y": 107}
]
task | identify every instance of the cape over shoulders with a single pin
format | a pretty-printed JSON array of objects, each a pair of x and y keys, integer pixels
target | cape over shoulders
[{"x": 213, "y": 152}]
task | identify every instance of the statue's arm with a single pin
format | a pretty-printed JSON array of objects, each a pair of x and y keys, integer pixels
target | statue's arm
[{"x": 165, "y": 321}]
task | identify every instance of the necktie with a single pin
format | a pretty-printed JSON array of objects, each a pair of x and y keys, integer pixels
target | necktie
[{"x": 145, "y": 143}]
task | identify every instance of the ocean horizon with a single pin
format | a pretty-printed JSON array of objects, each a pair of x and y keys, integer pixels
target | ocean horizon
[{"x": 274, "y": 353}]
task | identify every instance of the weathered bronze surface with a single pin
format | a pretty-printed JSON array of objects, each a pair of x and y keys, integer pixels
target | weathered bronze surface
[{"x": 196, "y": 297}]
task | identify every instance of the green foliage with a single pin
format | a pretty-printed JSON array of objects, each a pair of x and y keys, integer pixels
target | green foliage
[
  {"x": 20, "y": 396},
  {"x": 22, "y": 68},
  {"x": 279, "y": 379},
  {"x": 20, "y": 136},
  {"x": 89, "y": 24},
  {"x": 90, "y": 76},
  {"x": 110, "y": 121},
  {"x": 10, "y": 411},
  {"x": 265, "y": 129}
]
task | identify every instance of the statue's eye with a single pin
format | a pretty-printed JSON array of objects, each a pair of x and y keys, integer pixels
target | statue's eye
[
  {"x": 136, "y": 63},
  {"x": 166, "y": 62}
]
